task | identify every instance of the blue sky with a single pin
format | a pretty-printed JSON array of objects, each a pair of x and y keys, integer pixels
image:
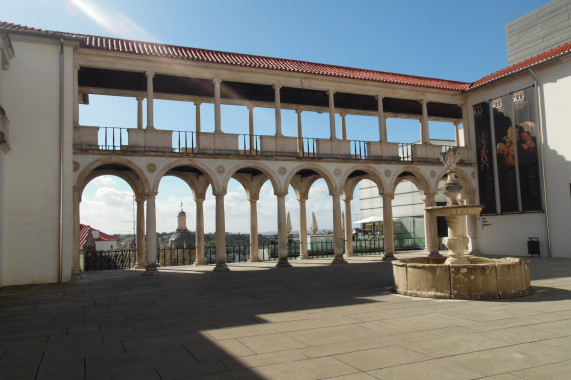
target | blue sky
[{"x": 457, "y": 40}]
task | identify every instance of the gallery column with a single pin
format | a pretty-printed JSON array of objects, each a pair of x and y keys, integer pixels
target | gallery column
[
  {"x": 253, "y": 228},
  {"x": 348, "y": 227},
  {"x": 302, "y": 229},
  {"x": 299, "y": 132},
  {"x": 382, "y": 120},
  {"x": 140, "y": 200},
  {"x": 282, "y": 232},
  {"x": 424, "y": 135},
  {"x": 389, "y": 240},
  {"x": 217, "y": 114},
  {"x": 221, "y": 265},
  {"x": 150, "y": 120},
  {"x": 332, "y": 131},
  {"x": 337, "y": 232},
  {"x": 278, "y": 110},
  {"x": 199, "y": 231},
  {"x": 76, "y": 264},
  {"x": 151, "y": 256}
]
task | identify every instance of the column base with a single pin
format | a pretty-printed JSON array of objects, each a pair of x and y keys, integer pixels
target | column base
[
  {"x": 348, "y": 254},
  {"x": 199, "y": 262},
  {"x": 283, "y": 263},
  {"x": 254, "y": 260},
  {"x": 139, "y": 266},
  {"x": 75, "y": 275},
  {"x": 151, "y": 271},
  {"x": 221, "y": 267},
  {"x": 339, "y": 260},
  {"x": 300, "y": 257},
  {"x": 435, "y": 254},
  {"x": 389, "y": 256}
]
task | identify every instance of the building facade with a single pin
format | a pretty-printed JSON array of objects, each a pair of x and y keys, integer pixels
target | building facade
[{"x": 47, "y": 157}]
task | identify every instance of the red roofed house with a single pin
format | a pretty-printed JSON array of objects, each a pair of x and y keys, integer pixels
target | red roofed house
[
  {"x": 95, "y": 240},
  {"x": 512, "y": 134}
]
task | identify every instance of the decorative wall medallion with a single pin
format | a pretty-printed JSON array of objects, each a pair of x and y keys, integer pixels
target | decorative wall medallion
[
  {"x": 76, "y": 166},
  {"x": 432, "y": 173},
  {"x": 337, "y": 172},
  {"x": 387, "y": 173},
  {"x": 282, "y": 170},
  {"x": 220, "y": 169},
  {"x": 151, "y": 167}
]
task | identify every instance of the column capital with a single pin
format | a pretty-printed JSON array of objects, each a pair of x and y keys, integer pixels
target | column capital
[
  {"x": 298, "y": 110},
  {"x": 379, "y": 97},
  {"x": 276, "y": 86},
  {"x": 219, "y": 193},
  {"x": 428, "y": 198},
  {"x": 280, "y": 194},
  {"x": 197, "y": 104},
  {"x": 388, "y": 196},
  {"x": 140, "y": 198},
  {"x": 151, "y": 194},
  {"x": 347, "y": 198},
  {"x": 253, "y": 199},
  {"x": 77, "y": 67},
  {"x": 456, "y": 123},
  {"x": 250, "y": 106},
  {"x": 216, "y": 80},
  {"x": 423, "y": 100},
  {"x": 149, "y": 74},
  {"x": 199, "y": 199},
  {"x": 330, "y": 91},
  {"x": 139, "y": 98}
]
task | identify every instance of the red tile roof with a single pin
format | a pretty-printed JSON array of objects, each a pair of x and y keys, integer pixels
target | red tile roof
[
  {"x": 246, "y": 60},
  {"x": 524, "y": 65},
  {"x": 85, "y": 230}
]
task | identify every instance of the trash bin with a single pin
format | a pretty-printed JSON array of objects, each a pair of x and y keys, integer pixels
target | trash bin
[{"x": 533, "y": 246}]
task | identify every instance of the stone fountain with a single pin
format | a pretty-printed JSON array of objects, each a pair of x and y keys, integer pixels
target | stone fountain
[{"x": 459, "y": 275}]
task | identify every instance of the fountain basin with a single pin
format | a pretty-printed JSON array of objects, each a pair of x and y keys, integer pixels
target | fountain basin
[
  {"x": 455, "y": 210},
  {"x": 481, "y": 278}
]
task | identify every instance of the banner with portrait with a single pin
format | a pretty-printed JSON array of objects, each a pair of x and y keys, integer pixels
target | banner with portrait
[
  {"x": 504, "y": 133},
  {"x": 485, "y": 164},
  {"x": 526, "y": 133}
]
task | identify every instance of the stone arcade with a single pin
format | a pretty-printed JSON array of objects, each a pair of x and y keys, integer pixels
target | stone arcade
[{"x": 61, "y": 70}]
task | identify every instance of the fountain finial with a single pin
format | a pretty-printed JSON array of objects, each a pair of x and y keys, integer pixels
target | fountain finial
[{"x": 452, "y": 189}]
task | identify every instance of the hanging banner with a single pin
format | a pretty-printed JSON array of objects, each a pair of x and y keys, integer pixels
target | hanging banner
[
  {"x": 504, "y": 132},
  {"x": 485, "y": 165},
  {"x": 527, "y": 152}
]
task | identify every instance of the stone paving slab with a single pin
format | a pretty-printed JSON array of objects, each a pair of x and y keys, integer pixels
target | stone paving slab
[{"x": 311, "y": 321}]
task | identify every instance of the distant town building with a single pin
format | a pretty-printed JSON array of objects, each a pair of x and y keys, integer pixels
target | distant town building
[
  {"x": 182, "y": 237},
  {"x": 91, "y": 239}
]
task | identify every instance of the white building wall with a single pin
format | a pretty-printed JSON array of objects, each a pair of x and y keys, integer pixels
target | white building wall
[
  {"x": 2, "y": 213},
  {"x": 508, "y": 234},
  {"x": 31, "y": 98}
]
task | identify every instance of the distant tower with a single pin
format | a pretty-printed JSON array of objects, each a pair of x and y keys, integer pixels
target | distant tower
[{"x": 182, "y": 238}]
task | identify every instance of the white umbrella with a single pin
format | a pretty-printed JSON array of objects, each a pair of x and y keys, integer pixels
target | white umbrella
[
  {"x": 288, "y": 224},
  {"x": 313, "y": 225},
  {"x": 370, "y": 219}
]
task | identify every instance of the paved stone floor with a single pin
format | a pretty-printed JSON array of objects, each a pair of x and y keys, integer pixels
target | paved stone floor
[{"x": 312, "y": 321}]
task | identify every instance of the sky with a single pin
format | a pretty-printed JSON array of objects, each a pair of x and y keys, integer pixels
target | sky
[{"x": 455, "y": 40}]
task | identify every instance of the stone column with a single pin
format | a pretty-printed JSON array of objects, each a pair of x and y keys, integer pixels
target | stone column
[
  {"x": 251, "y": 127},
  {"x": 430, "y": 228},
  {"x": 197, "y": 112},
  {"x": 465, "y": 128},
  {"x": 217, "y": 115},
  {"x": 151, "y": 256},
  {"x": 221, "y": 265},
  {"x": 348, "y": 227},
  {"x": 278, "y": 110},
  {"x": 303, "y": 255},
  {"x": 150, "y": 120},
  {"x": 200, "y": 232},
  {"x": 337, "y": 232},
  {"x": 389, "y": 239},
  {"x": 253, "y": 229},
  {"x": 139, "y": 112},
  {"x": 382, "y": 120},
  {"x": 472, "y": 228},
  {"x": 140, "y": 199},
  {"x": 424, "y": 135},
  {"x": 333, "y": 133},
  {"x": 343, "y": 127},
  {"x": 75, "y": 96},
  {"x": 299, "y": 132},
  {"x": 76, "y": 264},
  {"x": 282, "y": 233},
  {"x": 456, "y": 135}
]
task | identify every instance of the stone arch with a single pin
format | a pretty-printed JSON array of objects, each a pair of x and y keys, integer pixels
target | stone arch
[
  {"x": 324, "y": 173},
  {"x": 254, "y": 165},
  {"x": 128, "y": 177},
  {"x": 187, "y": 163},
  {"x": 86, "y": 174},
  {"x": 370, "y": 173},
  {"x": 416, "y": 176}
]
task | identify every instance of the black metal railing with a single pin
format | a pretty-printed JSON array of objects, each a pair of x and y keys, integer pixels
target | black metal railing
[
  {"x": 112, "y": 138},
  {"x": 249, "y": 145},
  {"x": 359, "y": 149},
  {"x": 109, "y": 260},
  {"x": 371, "y": 246},
  {"x": 309, "y": 147},
  {"x": 405, "y": 152},
  {"x": 184, "y": 142},
  {"x": 170, "y": 257}
]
